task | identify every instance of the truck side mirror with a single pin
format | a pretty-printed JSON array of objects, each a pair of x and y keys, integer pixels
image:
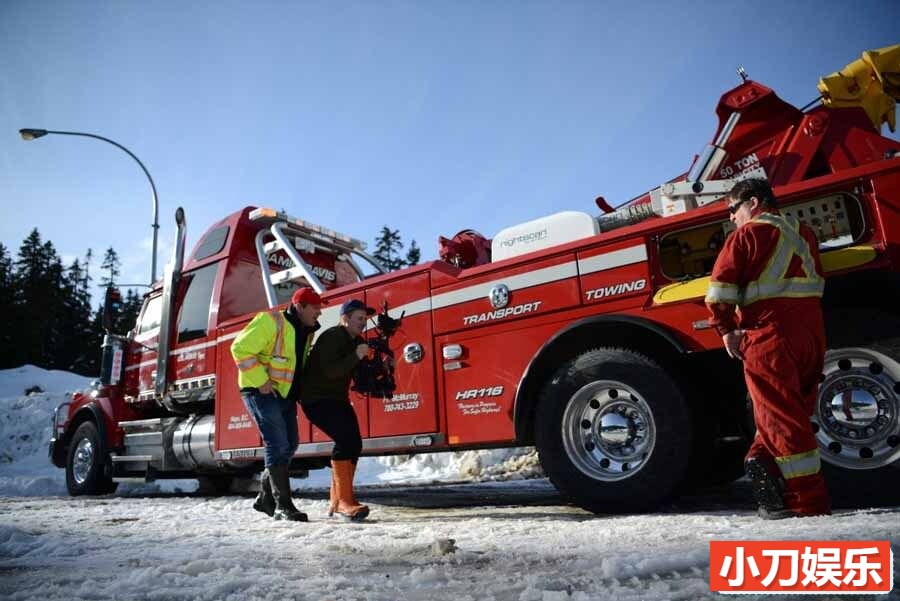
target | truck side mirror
[{"x": 112, "y": 307}]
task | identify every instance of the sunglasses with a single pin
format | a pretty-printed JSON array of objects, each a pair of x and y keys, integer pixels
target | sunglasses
[{"x": 734, "y": 208}]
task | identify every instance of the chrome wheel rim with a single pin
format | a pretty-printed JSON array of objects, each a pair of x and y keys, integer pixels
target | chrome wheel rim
[
  {"x": 83, "y": 460},
  {"x": 608, "y": 430},
  {"x": 857, "y": 416}
]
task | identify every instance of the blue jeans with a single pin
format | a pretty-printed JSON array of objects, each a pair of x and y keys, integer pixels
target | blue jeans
[{"x": 277, "y": 421}]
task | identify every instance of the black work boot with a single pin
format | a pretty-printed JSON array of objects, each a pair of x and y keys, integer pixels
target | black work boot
[
  {"x": 281, "y": 490},
  {"x": 265, "y": 502},
  {"x": 768, "y": 487}
]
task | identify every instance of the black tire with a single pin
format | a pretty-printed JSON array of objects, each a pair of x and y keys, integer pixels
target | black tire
[
  {"x": 647, "y": 405},
  {"x": 214, "y": 485},
  {"x": 722, "y": 421},
  {"x": 86, "y": 463},
  {"x": 726, "y": 461}
]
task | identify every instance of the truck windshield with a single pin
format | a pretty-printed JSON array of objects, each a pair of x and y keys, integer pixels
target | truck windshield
[{"x": 151, "y": 315}]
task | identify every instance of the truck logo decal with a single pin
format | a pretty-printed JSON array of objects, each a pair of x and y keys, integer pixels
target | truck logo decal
[
  {"x": 501, "y": 313},
  {"x": 525, "y": 238},
  {"x": 742, "y": 168},
  {"x": 499, "y": 296},
  {"x": 479, "y": 401},
  {"x": 323, "y": 273},
  {"x": 616, "y": 289},
  {"x": 477, "y": 393}
]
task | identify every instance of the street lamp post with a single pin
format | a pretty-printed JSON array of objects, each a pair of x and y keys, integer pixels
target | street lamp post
[{"x": 32, "y": 134}]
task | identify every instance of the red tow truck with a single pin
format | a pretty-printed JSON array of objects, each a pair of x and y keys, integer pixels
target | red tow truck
[{"x": 583, "y": 335}]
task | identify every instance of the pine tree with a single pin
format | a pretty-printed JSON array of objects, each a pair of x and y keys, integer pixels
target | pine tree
[
  {"x": 6, "y": 270},
  {"x": 78, "y": 350},
  {"x": 68, "y": 350},
  {"x": 112, "y": 265},
  {"x": 37, "y": 273},
  {"x": 95, "y": 327},
  {"x": 46, "y": 308},
  {"x": 86, "y": 272},
  {"x": 56, "y": 316},
  {"x": 128, "y": 314},
  {"x": 414, "y": 254},
  {"x": 387, "y": 249},
  {"x": 8, "y": 310}
]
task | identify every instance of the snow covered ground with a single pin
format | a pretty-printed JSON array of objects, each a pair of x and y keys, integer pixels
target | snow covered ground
[
  {"x": 509, "y": 540},
  {"x": 183, "y": 547}
]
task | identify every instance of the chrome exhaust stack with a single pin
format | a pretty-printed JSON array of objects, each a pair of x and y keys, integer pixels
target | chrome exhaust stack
[{"x": 171, "y": 278}]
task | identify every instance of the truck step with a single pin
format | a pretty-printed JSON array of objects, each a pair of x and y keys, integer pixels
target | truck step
[
  {"x": 143, "y": 424},
  {"x": 143, "y": 438},
  {"x": 131, "y": 458}
]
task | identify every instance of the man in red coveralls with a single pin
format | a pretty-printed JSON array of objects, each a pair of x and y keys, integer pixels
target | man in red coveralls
[{"x": 769, "y": 268}]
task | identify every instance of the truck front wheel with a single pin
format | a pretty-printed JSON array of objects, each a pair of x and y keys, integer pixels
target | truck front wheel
[
  {"x": 613, "y": 431},
  {"x": 86, "y": 463}
]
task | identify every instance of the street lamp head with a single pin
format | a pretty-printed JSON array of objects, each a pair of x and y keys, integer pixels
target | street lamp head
[{"x": 32, "y": 134}]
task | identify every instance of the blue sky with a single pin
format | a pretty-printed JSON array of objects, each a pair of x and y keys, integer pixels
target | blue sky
[{"x": 428, "y": 116}]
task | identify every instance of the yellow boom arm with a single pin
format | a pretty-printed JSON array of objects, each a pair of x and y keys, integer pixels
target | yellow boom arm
[{"x": 872, "y": 82}]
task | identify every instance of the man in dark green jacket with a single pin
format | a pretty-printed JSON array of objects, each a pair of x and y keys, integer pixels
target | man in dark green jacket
[{"x": 325, "y": 401}]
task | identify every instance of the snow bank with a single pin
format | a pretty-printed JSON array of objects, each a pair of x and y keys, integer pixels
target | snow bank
[
  {"x": 14, "y": 382},
  {"x": 497, "y": 464},
  {"x": 25, "y": 426},
  {"x": 25, "y": 469}
]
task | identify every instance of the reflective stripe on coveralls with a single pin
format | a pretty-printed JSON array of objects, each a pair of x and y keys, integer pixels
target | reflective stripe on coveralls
[{"x": 799, "y": 465}]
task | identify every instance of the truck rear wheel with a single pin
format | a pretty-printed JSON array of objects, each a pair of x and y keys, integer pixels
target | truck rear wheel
[
  {"x": 857, "y": 416},
  {"x": 86, "y": 463},
  {"x": 857, "y": 424},
  {"x": 613, "y": 431},
  {"x": 216, "y": 485}
]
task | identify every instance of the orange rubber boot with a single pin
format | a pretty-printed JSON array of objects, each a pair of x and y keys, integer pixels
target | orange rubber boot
[
  {"x": 346, "y": 506},
  {"x": 353, "y": 479},
  {"x": 332, "y": 497}
]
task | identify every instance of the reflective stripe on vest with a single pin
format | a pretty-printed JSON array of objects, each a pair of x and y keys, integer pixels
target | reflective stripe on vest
[
  {"x": 773, "y": 281},
  {"x": 279, "y": 375},
  {"x": 248, "y": 363},
  {"x": 799, "y": 465},
  {"x": 278, "y": 350}
]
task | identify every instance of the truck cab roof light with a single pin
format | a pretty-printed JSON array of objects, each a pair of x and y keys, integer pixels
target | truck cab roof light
[{"x": 312, "y": 228}]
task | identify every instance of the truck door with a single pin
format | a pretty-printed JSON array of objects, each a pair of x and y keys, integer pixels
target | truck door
[
  {"x": 142, "y": 354},
  {"x": 413, "y": 408},
  {"x": 192, "y": 368}
]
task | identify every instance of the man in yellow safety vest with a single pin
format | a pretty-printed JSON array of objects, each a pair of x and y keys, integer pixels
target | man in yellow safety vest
[{"x": 271, "y": 355}]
